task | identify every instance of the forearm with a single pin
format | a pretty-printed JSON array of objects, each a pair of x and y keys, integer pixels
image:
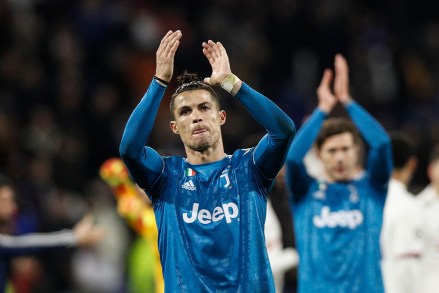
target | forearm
[
  {"x": 370, "y": 129},
  {"x": 277, "y": 123},
  {"x": 20, "y": 245},
  {"x": 296, "y": 175},
  {"x": 132, "y": 149},
  {"x": 270, "y": 153},
  {"x": 305, "y": 137},
  {"x": 379, "y": 158},
  {"x": 141, "y": 121}
]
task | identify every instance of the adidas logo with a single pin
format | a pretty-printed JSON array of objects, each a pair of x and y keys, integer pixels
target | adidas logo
[{"x": 189, "y": 185}]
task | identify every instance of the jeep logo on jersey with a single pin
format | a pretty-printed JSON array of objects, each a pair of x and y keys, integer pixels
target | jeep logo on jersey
[
  {"x": 343, "y": 218},
  {"x": 227, "y": 210}
]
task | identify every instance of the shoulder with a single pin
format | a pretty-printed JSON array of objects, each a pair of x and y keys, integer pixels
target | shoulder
[
  {"x": 173, "y": 163},
  {"x": 241, "y": 154}
]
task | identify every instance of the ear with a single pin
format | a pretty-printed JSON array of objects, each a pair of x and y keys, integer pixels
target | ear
[
  {"x": 412, "y": 163},
  {"x": 317, "y": 152},
  {"x": 222, "y": 115},
  {"x": 174, "y": 127}
]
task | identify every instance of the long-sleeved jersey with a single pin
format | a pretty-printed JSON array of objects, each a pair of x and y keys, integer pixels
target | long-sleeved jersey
[
  {"x": 210, "y": 217},
  {"x": 337, "y": 225}
]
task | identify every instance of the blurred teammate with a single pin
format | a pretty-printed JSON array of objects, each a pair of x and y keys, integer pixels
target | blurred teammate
[
  {"x": 338, "y": 216},
  {"x": 401, "y": 232},
  {"x": 210, "y": 207},
  {"x": 429, "y": 197},
  {"x": 84, "y": 233}
]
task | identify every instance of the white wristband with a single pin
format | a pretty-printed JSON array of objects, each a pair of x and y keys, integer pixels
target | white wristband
[{"x": 229, "y": 82}]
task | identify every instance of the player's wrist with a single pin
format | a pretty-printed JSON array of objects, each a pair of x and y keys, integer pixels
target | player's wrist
[
  {"x": 325, "y": 108},
  {"x": 161, "y": 80},
  {"x": 345, "y": 100},
  {"x": 230, "y": 83}
]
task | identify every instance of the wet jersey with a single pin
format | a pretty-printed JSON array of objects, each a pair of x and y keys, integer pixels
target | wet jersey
[{"x": 338, "y": 224}]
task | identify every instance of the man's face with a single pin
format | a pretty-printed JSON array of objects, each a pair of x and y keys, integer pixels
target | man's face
[
  {"x": 8, "y": 206},
  {"x": 197, "y": 120},
  {"x": 339, "y": 156}
]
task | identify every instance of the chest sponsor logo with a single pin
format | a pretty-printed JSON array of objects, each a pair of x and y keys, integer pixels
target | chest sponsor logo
[
  {"x": 344, "y": 218},
  {"x": 227, "y": 211}
]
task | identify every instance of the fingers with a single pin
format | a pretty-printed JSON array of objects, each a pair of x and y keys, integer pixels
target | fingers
[
  {"x": 213, "y": 51},
  {"x": 169, "y": 44},
  {"x": 325, "y": 83},
  {"x": 324, "y": 93},
  {"x": 341, "y": 82},
  {"x": 165, "y": 55},
  {"x": 164, "y": 40}
]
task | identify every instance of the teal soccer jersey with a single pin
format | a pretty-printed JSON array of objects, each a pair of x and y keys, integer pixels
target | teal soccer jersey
[{"x": 201, "y": 210}]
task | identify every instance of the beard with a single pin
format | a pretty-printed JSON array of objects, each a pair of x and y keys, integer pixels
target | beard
[{"x": 200, "y": 146}]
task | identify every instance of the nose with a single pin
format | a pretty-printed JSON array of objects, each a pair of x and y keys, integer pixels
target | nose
[
  {"x": 339, "y": 156},
  {"x": 196, "y": 117}
]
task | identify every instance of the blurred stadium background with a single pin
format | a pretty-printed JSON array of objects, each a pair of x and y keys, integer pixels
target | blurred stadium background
[{"x": 72, "y": 71}]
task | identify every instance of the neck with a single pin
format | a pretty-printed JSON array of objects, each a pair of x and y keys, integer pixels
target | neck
[
  {"x": 403, "y": 176},
  {"x": 435, "y": 186},
  {"x": 212, "y": 154}
]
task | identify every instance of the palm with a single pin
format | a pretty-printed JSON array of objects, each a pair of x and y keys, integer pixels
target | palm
[{"x": 219, "y": 61}]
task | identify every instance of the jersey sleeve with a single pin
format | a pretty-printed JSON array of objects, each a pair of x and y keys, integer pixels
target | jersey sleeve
[
  {"x": 270, "y": 153},
  {"x": 33, "y": 243},
  {"x": 144, "y": 163},
  {"x": 296, "y": 176},
  {"x": 379, "y": 156}
]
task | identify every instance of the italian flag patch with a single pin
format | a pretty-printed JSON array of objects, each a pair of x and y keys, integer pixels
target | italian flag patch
[{"x": 190, "y": 172}]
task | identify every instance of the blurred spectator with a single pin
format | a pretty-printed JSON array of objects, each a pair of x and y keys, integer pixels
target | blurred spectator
[
  {"x": 279, "y": 238},
  {"x": 429, "y": 197},
  {"x": 144, "y": 267},
  {"x": 83, "y": 234},
  {"x": 401, "y": 231},
  {"x": 102, "y": 269}
]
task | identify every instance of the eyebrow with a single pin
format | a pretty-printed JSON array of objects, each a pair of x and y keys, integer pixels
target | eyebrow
[{"x": 198, "y": 105}]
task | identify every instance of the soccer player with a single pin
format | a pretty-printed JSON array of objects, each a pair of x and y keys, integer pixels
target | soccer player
[
  {"x": 401, "y": 233},
  {"x": 429, "y": 198},
  {"x": 338, "y": 216},
  {"x": 210, "y": 206},
  {"x": 83, "y": 234}
]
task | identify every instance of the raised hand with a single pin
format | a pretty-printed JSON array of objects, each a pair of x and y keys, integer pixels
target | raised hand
[
  {"x": 327, "y": 100},
  {"x": 165, "y": 55},
  {"x": 341, "y": 82},
  {"x": 219, "y": 60}
]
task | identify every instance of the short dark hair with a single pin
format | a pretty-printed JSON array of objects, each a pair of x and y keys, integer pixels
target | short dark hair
[
  {"x": 189, "y": 82},
  {"x": 403, "y": 148},
  {"x": 434, "y": 154},
  {"x": 334, "y": 126},
  {"x": 6, "y": 181}
]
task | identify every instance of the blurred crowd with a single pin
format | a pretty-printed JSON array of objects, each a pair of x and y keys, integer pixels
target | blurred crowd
[{"x": 72, "y": 71}]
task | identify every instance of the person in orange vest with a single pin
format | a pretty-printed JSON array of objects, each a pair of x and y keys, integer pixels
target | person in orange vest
[{"x": 134, "y": 206}]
